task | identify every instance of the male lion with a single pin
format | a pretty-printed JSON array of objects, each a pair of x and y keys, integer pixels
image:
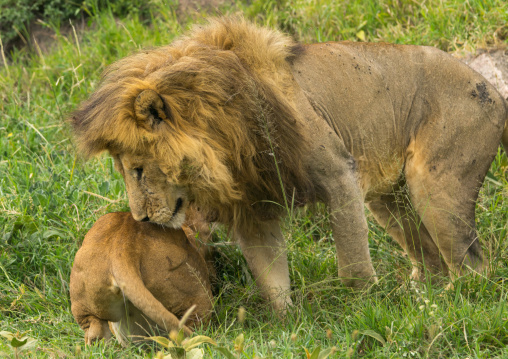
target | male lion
[
  {"x": 246, "y": 123},
  {"x": 139, "y": 277}
]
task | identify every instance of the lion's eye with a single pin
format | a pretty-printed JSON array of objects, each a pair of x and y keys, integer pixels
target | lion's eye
[{"x": 139, "y": 172}]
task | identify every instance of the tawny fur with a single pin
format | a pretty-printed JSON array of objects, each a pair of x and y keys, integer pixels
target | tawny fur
[
  {"x": 225, "y": 128},
  {"x": 139, "y": 277},
  {"x": 243, "y": 121}
]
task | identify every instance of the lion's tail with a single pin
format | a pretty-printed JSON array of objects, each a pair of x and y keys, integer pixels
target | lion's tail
[{"x": 130, "y": 282}]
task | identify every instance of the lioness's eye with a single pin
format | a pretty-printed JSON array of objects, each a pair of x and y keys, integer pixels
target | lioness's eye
[{"x": 139, "y": 172}]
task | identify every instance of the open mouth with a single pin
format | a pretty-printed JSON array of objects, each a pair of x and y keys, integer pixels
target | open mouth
[{"x": 179, "y": 203}]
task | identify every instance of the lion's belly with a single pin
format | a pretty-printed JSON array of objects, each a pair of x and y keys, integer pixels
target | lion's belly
[{"x": 379, "y": 177}]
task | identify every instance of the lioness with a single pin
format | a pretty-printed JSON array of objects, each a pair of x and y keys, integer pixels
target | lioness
[
  {"x": 246, "y": 123},
  {"x": 140, "y": 277}
]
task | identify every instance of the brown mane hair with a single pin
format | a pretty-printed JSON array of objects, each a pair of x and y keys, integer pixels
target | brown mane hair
[{"x": 232, "y": 135}]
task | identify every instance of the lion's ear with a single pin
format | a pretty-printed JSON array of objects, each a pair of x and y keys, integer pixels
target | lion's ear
[{"x": 150, "y": 110}]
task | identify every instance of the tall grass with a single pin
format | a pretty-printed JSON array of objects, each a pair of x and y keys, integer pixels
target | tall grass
[
  {"x": 449, "y": 25},
  {"x": 49, "y": 198}
]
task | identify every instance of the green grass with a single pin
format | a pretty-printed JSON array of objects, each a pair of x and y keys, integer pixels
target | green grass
[{"x": 46, "y": 206}]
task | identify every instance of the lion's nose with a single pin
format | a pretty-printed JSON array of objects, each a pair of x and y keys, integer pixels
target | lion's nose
[{"x": 146, "y": 219}]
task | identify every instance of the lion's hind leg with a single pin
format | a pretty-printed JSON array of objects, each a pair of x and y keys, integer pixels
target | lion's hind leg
[
  {"x": 393, "y": 211},
  {"x": 448, "y": 157},
  {"x": 444, "y": 195}
]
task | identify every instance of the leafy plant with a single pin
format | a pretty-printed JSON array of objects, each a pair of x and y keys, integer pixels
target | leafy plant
[
  {"x": 19, "y": 341},
  {"x": 318, "y": 353},
  {"x": 238, "y": 348},
  {"x": 180, "y": 347}
]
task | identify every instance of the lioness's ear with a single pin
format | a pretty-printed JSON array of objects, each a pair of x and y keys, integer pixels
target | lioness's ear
[{"x": 150, "y": 110}]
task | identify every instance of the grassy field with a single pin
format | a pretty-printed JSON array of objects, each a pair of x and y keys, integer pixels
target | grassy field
[{"x": 49, "y": 198}]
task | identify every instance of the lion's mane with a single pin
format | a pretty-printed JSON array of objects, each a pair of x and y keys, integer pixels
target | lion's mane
[{"x": 232, "y": 135}]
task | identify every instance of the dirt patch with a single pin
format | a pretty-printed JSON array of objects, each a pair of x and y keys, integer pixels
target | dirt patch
[
  {"x": 41, "y": 37},
  {"x": 482, "y": 93},
  {"x": 493, "y": 65}
]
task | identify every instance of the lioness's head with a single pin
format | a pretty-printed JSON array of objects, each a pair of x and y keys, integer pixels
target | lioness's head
[{"x": 208, "y": 119}]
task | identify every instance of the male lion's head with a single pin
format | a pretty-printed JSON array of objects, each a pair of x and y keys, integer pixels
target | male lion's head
[
  {"x": 151, "y": 196},
  {"x": 208, "y": 119}
]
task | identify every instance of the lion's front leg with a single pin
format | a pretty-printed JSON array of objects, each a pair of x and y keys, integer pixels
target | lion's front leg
[
  {"x": 337, "y": 178},
  {"x": 265, "y": 252},
  {"x": 350, "y": 233}
]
